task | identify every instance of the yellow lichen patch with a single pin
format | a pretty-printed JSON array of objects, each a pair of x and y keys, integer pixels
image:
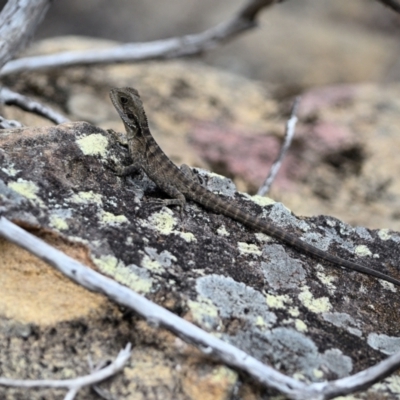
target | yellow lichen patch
[
  {"x": 187, "y": 236},
  {"x": 262, "y": 237},
  {"x": 363, "y": 251},
  {"x": 163, "y": 221},
  {"x": 294, "y": 311},
  {"x": 393, "y": 383},
  {"x": 87, "y": 198},
  {"x": 314, "y": 305},
  {"x": 95, "y": 144},
  {"x": 300, "y": 377},
  {"x": 300, "y": 325},
  {"x": 10, "y": 171},
  {"x": 150, "y": 370},
  {"x": 151, "y": 265},
  {"x": 27, "y": 189},
  {"x": 58, "y": 223},
  {"x": 108, "y": 218},
  {"x": 326, "y": 279},
  {"x": 318, "y": 373},
  {"x": 261, "y": 200},
  {"x": 204, "y": 312},
  {"x": 111, "y": 266},
  {"x": 209, "y": 384},
  {"x": 384, "y": 234},
  {"x": 34, "y": 292},
  {"x": 260, "y": 322},
  {"x": 278, "y": 301},
  {"x": 245, "y": 248},
  {"x": 107, "y": 264},
  {"x": 221, "y": 231},
  {"x": 388, "y": 285}
]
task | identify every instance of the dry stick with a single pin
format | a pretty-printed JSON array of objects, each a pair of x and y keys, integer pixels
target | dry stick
[
  {"x": 74, "y": 385},
  {"x": 18, "y": 21},
  {"x": 393, "y": 4},
  {"x": 101, "y": 392},
  {"x": 159, "y": 49},
  {"x": 289, "y": 133},
  {"x": 9, "y": 97},
  {"x": 9, "y": 123},
  {"x": 153, "y": 313},
  {"x": 210, "y": 345}
]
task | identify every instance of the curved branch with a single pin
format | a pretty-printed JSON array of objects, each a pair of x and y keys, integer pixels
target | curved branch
[
  {"x": 160, "y": 49},
  {"x": 152, "y": 312},
  {"x": 18, "y": 21},
  {"x": 209, "y": 344},
  {"x": 75, "y": 384},
  {"x": 393, "y": 4},
  {"x": 9, "y": 97},
  {"x": 359, "y": 381}
]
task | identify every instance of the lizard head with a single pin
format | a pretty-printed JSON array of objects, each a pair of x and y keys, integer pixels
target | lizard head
[{"x": 130, "y": 108}]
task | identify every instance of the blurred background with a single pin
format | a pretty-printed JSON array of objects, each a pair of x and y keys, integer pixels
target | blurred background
[
  {"x": 343, "y": 56},
  {"x": 299, "y": 44}
]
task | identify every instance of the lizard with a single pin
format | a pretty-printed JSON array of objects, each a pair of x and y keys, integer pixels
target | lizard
[{"x": 180, "y": 184}]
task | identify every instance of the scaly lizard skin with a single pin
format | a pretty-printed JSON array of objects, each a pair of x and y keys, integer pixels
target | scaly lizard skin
[{"x": 180, "y": 185}]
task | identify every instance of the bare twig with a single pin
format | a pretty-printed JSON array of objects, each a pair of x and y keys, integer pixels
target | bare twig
[
  {"x": 360, "y": 381},
  {"x": 209, "y": 344},
  {"x": 393, "y": 4},
  {"x": 160, "y": 49},
  {"x": 18, "y": 22},
  {"x": 74, "y": 385},
  {"x": 9, "y": 123},
  {"x": 289, "y": 133},
  {"x": 155, "y": 314},
  {"x": 9, "y": 97},
  {"x": 101, "y": 392}
]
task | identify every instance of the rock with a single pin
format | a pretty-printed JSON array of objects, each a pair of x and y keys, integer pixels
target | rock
[{"x": 305, "y": 318}]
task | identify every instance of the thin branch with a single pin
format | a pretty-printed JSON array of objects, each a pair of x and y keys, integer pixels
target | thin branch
[
  {"x": 9, "y": 97},
  {"x": 393, "y": 4},
  {"x": 359, "y": 381},
  {"x": 74, "y": 385},
  {"x": 18, "y": 21},
  {"x": 289, "y": 133},
  {"x": 9, "y": 123},
  {"x": 153, "y": 313},
  {"x": 209, "y": 344},
  {"x": 188, "y": 45},
  {"x": 71, "y": 394}
]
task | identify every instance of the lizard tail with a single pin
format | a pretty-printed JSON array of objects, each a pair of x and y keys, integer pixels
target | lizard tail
[{"x": 215, "y": 203}]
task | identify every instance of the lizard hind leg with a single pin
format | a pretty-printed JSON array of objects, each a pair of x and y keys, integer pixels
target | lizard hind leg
[
  {"x": 188, "y": 172},
  {"x": 178, "y": 199}
]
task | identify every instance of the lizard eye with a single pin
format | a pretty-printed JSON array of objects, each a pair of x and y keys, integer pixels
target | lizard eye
[
  {"x": 130, "y": 116},
  {"x": 124, "y": 100}
]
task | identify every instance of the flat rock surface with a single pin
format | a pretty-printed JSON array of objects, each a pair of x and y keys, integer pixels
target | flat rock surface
[{"x": 307, "y": 319}]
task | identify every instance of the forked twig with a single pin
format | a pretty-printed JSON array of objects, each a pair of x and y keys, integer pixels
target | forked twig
[{"x": 74, "y": 385}]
